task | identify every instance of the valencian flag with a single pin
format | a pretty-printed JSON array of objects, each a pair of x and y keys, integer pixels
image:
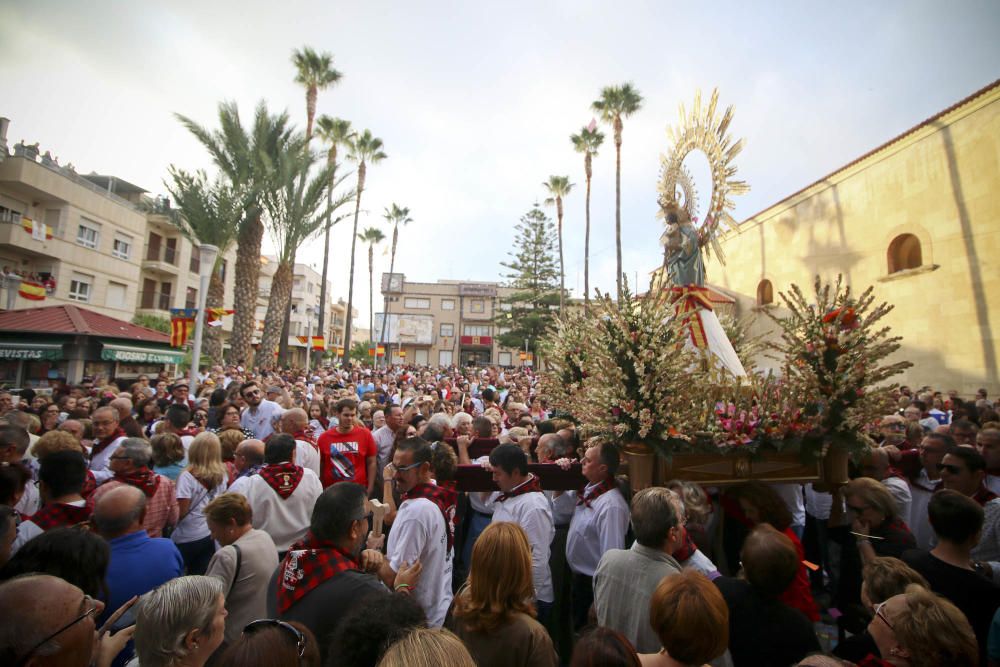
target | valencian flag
[
  {"x": 32, "y": 290},
  {"x": 181, "y": 325}
]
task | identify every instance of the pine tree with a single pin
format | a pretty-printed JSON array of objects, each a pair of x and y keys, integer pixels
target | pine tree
[{"x": 533, "y": 272}]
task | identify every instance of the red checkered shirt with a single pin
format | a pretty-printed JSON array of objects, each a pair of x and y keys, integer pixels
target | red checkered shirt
[{"x": 161, "y": 508}]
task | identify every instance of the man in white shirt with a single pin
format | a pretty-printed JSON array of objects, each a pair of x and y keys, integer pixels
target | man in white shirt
[
  {"x": 294, "y": 423},
  {"x": 600, "y": 521},
  {"x": 282, "y": 494},
  {"x": 107, "y": 436},
  {"x": 877, "y": 465},
  {"x": 931, "y": 451},
  {"x": 386, "y": 435},
  {"x": 261, "y": 414},
  {"x": 422, "y": 529},
  {"x": 522, "y": 501}
]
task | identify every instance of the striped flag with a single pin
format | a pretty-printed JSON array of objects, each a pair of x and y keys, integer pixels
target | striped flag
[
  {"x": 318, "y": 343},
  {"x": 32, "y": 291},
  {"x": 218, "y": 313},
  {"x": 181, "y": 325}
]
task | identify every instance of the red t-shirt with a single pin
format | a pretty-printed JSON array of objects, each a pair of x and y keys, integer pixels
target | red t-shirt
[
  {"x": 343, "y": 457},
  {"x": 798, "y": 595}
]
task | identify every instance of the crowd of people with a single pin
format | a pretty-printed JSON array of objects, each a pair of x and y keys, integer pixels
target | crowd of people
[{"x": 291, "y": 518}]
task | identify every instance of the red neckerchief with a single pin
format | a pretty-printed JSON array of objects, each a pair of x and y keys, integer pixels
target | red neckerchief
[
  {"x": 188, "y": 431},
  {"x": 55, "y": 515},
  {"x": 895, "y": 525},
  {"x": 892, "y": 471},
  {"x": 530, "y": 486},
  {"x": 102, "y": 444},
  {"x": 983, "y": 495},
  {"x": 284, "y": 477},
  {"x": 308, "y": 564},
  {"x": 872, "y": 660},
  {"x": 445, "y": 499},
  {"x": 145, "y": 480},
  {"x": 306, "y": 436},
  {"x": 89, "y": 484},
  {"x": 686, "y": 549},
  {"x": 602, "y": 488}
]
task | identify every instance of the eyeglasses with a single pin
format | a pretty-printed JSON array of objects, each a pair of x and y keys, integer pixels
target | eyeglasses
[
  {"x": 93, "y": 606},
  {"x": 300, "y": 639},
  {"x": 248, "y": 394},
  {"x": 879, "y": 614},
  {"x": 405, "y": 468},
  {"x": 952, "y": 469}
]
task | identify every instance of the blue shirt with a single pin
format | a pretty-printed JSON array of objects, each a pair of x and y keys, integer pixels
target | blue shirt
[{"x": 139, "y": 563}]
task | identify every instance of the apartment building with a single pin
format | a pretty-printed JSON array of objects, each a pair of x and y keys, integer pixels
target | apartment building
[{"x": 443, "y": 323}]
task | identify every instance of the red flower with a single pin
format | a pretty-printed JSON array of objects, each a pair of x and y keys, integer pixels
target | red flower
[{"x": 848, "y": 321}]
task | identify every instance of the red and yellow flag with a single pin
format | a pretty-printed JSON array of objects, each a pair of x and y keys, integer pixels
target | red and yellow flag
[
  {"x": 32, "y": 291},
  {"x": 180, "y": 330}
]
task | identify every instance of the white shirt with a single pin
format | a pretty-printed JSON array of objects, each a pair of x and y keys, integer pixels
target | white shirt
[
  {"x": 919, "y": 523},
  {"x": 791, "y": 493},
  {"x": 286, "y": 520},
  {"x": 563, "y": 506},
  {"x": 818, "y": 505},
  {"x": 993, "y": 483},
  {"x": 28, "y": 529},
  {"x": 193, "y": 526},
  {"x": 260, "y": 420},
  {"x": 900, "y": 490},
  {"x": 240, "y": 485},
  {"x": 533, "y": 513},
  {"x": 596, "y": 529},
  {"x": 307, "y": 455},
  {"x": 384, "y": 437},
  {"x": 99, "y": 462},
  {"x": 30, "y": 500},
  {"x": 419, "y": 533}
]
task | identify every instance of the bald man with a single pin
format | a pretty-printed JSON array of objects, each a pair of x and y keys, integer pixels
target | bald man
[
  {"x": 249, "y": 459},
  {"x": 139, "y": 563},
  {"x": 108, "y": 435},
  {"x": 294, "y": 422},
  {"x": 46, "y": 621}
]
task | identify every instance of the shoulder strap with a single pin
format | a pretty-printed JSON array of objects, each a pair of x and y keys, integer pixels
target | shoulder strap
[{"x": 236, "y": 574}]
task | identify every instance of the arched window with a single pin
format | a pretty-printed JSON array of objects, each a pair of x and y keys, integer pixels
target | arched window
[
  {"x": 765, "y": 293},
  {"x": 904, "y": 253}
]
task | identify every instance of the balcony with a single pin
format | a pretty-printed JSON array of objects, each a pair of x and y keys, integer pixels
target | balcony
[
  {"x": 13, "y": 233},
  {"x": 162, "y": 260},
  {"x": 155, "y": 301}
]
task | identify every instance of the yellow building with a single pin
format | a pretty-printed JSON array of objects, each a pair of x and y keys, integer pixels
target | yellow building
[{"x": 917, "y": 217}]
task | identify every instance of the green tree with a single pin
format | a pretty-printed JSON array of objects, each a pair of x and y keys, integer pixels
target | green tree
[
  {"x": 359, "y": 351},
  {"x": 371, "y": 236},
  {"x": 245, "y": 157},
  {"x": 615, "y": 103},
  {"x": 534, "y": 275},
  {"x": 154, "y": 322},
  {"x": 335, "y": 132},
  {"x": 587, "y": 142},
  {"x": 395, "y": 216},
  {"x": 210, "y": 213},
  {"x": 558, "y": 187},
  {"x": 314, "y": 71},
  {"x": 364, "y": 149}
]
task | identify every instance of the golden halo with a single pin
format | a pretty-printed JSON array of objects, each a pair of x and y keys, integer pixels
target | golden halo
[{"x": 702, "y": 130}]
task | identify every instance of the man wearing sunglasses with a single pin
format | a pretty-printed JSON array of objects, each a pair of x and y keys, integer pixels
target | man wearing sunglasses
[{"x": 261, "y": 414}]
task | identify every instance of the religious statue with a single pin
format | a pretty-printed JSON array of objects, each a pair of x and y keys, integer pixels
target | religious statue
[{"x": 682, "y": 247}]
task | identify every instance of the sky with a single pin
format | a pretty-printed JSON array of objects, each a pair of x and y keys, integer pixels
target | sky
[{"x": 475, "y": 101}]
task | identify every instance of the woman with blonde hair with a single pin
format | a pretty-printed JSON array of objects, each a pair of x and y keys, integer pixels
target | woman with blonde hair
[
  {"x": 428, "y": 647},
  {"x": 203, "y": 479},
  {"x": 493, "y": 614}
]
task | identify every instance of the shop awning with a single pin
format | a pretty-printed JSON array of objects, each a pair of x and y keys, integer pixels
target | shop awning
[
  {"x": 31, "y": 351},
  {"x": 135, "y": 354}
]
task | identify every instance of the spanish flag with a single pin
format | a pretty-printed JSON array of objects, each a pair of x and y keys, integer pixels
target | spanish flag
[
  {"x": 217, "y": 314},
  {"x": 32, "y": 291},
  {"x": 318, "y": 344}
]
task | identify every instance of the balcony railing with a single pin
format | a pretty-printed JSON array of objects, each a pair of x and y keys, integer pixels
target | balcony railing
[
  {"x": 163, "y": 254},
  {"x": 155, "y": 300}
]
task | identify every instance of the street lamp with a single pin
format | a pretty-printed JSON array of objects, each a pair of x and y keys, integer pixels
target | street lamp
[
  {"x": 208, "y": 254},
  {"x": 309, "y": 323}
]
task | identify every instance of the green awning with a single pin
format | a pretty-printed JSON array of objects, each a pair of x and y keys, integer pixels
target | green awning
[
  {"x": 134, "y": 354},
  {"x": 31, "y": 351}
]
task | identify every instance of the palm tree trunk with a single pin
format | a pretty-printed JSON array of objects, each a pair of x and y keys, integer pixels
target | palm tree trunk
[
  {"x": 618, "y": 207},
  {"x": 214, "y": 299},
  {"x": 245, "y": 292},
  {"x": 385, "y": 310},
  {"x": 281, "y": 294},
  {"x": 310, "y": 111},
  {"x": 371, "y": 297},
  {"x": 586, "y": 238},
  {"x": 350, "y": 284},
  {"x": 326, "y": 260},
  {"x": 562, "y": 272},
  {"x": 285, "y": 328}
]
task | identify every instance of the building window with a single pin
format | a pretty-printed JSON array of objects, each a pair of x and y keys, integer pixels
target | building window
[
  {"x": 410, "y": 302},
  {"x": 447, "y": 304},
  {"x": 447, "y": 330},
  {"x": 477, "y": 306},
  {"x": 88, "y": 235},
  {"x": 116, "y": 296},
  {"x": 80, "y": 288},
  {"x": 506, "y": 307},
  {"x": 444, "y": 358},
  {"x": 904, "y": 253},
  {"x": 504, "y": 359},
  {"x": 122, "y": 247},
  {"x": 191, "y": 298},
  {"x": 9, "y": 215},
  {"x": 475, "y": 330},
  {"x": 765, "y": 293},
  {"x": 194, "y": 265},
  {"x": 309, "y": 288},
  {"x": 222, "y": 270}
]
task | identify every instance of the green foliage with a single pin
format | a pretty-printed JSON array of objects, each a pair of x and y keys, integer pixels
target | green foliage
[
  {"x": 532, "y": 271},
  {"x": 359, "y": 351},
  {"x": 155, "y": 322}
]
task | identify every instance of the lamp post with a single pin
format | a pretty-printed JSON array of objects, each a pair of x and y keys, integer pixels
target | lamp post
[
  {"x": 208, "y": 254},
  {"x": 309, "y": 323}
]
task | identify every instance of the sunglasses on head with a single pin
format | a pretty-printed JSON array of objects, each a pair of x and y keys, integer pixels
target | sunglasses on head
[{"x": 300, "y": 639}]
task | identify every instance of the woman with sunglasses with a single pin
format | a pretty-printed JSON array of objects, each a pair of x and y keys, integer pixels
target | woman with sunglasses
[{"x": 269, "y": 642}]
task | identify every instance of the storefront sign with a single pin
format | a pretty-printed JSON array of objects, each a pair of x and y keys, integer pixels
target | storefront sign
[
  {"x": 38, "y": 351},
  {"x": 140, "y": 355},
  {"x": 476, "y": 340}
]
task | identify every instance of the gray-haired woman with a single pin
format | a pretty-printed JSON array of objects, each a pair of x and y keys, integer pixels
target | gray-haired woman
[{"x": 181, "y": 623}]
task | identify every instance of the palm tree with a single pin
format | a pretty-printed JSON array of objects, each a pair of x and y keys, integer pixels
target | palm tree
[
  {"x": 558, "y": 187},
  {"x": 295, "y": 212},
  {"x": 245, "y": 157},
  {"x": 209, "y": 213},
  {"x": 371, "y": 236},
  {"x": 336, "y": 132},
  {"x": 395, "y": 216},
  {"x": 314, "y": 71},
  {"x": 364, "y": 149},
  {"x": 587, "y": 142},
  {"x": 615, "y": 103}
]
